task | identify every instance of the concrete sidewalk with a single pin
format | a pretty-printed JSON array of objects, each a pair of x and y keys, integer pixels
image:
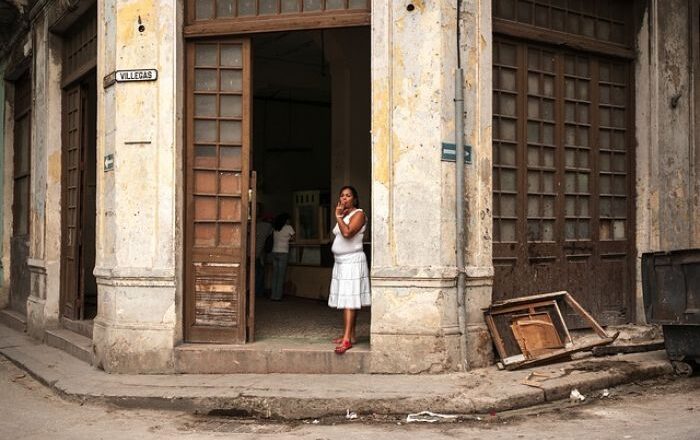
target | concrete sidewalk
[{"x": 295, "y": 396}]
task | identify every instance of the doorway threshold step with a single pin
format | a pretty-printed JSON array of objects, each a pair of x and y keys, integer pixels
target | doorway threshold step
[
  {"x": 13, "y": 319},
  {"x": 271, "y": 356},
  {"x": 72, "y": 343}
]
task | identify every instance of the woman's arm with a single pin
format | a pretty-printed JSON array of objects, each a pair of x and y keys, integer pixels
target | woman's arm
[{"x": 356, "y": 223}]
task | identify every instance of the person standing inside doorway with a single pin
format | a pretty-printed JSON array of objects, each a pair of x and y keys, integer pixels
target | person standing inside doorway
[
  {"x": 350, "y": 280},
  {"x": 282, "y": 234},
  {"x": 263, "y": 236}
]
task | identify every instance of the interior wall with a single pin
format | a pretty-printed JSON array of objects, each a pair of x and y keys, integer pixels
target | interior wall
[
  {"x": 291, "y": 118},
  {"x": 311, "y": 125},
  {"x": 349, "y": 52}
]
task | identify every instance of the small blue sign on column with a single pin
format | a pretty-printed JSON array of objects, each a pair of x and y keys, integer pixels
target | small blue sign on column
[{"x": 449, "y": 152}]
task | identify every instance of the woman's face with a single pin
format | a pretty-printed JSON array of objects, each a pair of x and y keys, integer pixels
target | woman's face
[{"x": 347, "y": 199}]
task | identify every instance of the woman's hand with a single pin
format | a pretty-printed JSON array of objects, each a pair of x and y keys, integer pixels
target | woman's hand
[{"x": 339, "y": 210}]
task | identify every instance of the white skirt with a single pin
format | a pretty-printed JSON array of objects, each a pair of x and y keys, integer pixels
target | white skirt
[{"x": 350, "y": 282}]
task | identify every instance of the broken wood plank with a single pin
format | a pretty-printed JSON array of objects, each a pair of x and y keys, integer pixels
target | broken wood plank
[
  {"x": 562, "y": 353},
  {"x": 631, "y": 348}
]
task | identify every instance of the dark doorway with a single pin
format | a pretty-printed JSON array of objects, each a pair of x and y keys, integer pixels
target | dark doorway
[
  {"x": 79, "y": 287},
  {"x": 19, "y": 242},
  {"x": 311, "y": 123}
]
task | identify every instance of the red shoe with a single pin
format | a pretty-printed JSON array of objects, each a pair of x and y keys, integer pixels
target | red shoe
[
  {"x": 344, "y": 346},
  {"x": 339, "y": 340}
]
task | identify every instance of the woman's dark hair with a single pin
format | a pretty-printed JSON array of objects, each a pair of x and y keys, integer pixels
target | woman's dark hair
[
  {"x": 280, "y": 221},
  {"x": 355, "y": 197}
]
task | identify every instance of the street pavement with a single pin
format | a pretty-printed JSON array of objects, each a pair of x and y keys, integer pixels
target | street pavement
[
  {"x": 663, "y": 408},
  {"x": 298, "y": 397}
]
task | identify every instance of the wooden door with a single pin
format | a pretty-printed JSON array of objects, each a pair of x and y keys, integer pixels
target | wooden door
[
  {"x": 217, "y": 189},
  {"x": 561, "y": 184},
  {"x": 71, "y": 154},
  {"x": 19, "y": 242}
]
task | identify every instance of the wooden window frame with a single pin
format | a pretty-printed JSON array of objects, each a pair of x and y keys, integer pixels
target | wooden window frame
[{"x": 273, "y": 23}]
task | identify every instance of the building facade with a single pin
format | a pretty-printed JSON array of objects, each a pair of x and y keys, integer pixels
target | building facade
[{"x": 140, "y": 138}]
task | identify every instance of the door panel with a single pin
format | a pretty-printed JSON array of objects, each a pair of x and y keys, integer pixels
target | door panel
[
  {"x": 218, "y": 170},
  {"x": 71, "y": 197},
  {"x": 560, "y": 176}
]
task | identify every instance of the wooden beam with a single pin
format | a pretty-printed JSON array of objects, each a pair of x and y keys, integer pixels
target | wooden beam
[
  {"x": 558, "y": 38},
  {"x": 285, "y": 22}
]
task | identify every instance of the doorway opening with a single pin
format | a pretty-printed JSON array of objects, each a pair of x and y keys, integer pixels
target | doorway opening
[
  {"x": 78, "y": 175},
  {"x": 283, "y": 118},
  {"x": 19, "y": 242},
  {"x": 311, "y": 136}
]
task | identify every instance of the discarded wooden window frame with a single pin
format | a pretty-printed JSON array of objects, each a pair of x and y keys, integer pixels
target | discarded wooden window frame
[{"x": 509, "y": 330}]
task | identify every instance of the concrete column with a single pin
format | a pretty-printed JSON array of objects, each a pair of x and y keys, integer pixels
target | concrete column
[
  {"x": 45, "y": 214},
  {"x": 476, "y": 49},
  {"x": 666, "y": 158},
  {"x": 137, "y": 245},
  {"x": 414, "y": 312}
]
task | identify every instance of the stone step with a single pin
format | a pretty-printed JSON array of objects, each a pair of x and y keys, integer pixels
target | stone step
[
  {"x": 83, "y": 327},
  {"x": 292, "y": 356},
  {"x": 13, "y": 319},
  {"x": 72, "y": 343}
]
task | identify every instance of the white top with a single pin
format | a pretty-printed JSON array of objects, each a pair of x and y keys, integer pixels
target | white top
[
  {"x": 280, "y": 239},
  {"x": 342, "y": 245}
]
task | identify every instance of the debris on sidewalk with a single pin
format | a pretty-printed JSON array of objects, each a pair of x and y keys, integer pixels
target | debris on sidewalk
[
  {"x": 428, "y": 417},
  {"x": 605, "y": 393},
  {"x": 350, "y": 415},
  {"x": 531, "y": 380},
  {"x": 576, "y": 396},
  {"x": 628, "y": 348},
  {"x": 531, "y": 330}
]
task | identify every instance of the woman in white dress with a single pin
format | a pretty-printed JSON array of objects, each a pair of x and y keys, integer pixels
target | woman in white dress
[{"x": 350, "y": 281}]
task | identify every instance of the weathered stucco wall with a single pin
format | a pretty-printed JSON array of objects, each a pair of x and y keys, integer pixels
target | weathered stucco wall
[
  {"x": 135, "y": 329},
  {"x": 477, "y": 49},
  {"x": 666, "y": 156},
  {"x": 45, "y": 217},
  {"x": 414, "y": 314}
]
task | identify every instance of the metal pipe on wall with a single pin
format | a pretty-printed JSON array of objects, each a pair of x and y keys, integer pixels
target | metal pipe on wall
[{"x": 459, "y": 196}]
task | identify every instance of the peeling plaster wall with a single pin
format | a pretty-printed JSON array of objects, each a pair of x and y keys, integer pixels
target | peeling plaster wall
[
  {"x": 477, "y": 49},
  {"x": 138, "y": 123},
  {"x": 666, "y": 157},
  {"x": 44, "y": 246},
  {"x": 414, "y": 313}
]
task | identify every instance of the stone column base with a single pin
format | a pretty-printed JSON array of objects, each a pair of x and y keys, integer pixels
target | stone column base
[
  {"x": 36, "y": 319},
  {"x": 414, "y": 321},
  {"x": 134, "y": 331},
  {"x": 133, "y": 349},
  {"x": 478, "y": 291},
  {"x": 413, "y": 354}
]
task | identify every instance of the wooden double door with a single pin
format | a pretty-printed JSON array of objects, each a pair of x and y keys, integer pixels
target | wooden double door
[{"x": 562, "y": 176}]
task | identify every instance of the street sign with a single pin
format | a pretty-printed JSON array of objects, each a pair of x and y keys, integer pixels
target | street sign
[
  {"x": 136, "y": 75},
  {"x": 109, "y": 162},
  {"x": 449, "y": 153}
]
